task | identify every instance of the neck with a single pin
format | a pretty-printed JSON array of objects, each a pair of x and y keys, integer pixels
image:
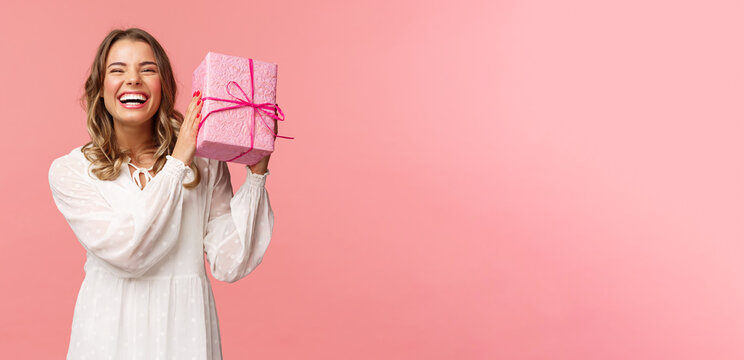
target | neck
[{"x": 137, "y": 139}]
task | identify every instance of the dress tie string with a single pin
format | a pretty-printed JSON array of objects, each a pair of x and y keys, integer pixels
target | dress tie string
[{"x": 135, "y": 174}]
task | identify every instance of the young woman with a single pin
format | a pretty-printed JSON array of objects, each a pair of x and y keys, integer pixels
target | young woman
[{"x": 146, "y": 210}]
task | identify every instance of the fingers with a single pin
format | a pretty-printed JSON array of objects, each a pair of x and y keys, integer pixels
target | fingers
[
  {"x": 197, "y": 117},
  {"x": 276, "y": 122},
  {"x": 197, "y": 110},
  {"x": 195, "y": 101},
  {"x": 194, "y": 108}
]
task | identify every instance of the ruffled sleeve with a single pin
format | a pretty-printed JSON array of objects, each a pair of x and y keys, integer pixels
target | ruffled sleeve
[
  {"x": 240, "y": 225},
  {"x": 131, "y": 239}
]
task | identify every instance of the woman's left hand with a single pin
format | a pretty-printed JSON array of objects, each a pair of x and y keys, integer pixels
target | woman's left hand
[{"x": 261, "y": 166}]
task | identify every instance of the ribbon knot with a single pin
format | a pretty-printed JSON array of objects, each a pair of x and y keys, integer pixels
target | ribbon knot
[
  {"x": 261, "y": 109},
  {"x": 138, "y": 171}
]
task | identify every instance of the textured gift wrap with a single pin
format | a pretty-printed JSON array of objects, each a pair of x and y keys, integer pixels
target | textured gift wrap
[{"x": 225, "y": 134}]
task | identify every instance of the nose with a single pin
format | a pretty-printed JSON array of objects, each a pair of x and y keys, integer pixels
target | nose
[{"x": 133, "y": 78}]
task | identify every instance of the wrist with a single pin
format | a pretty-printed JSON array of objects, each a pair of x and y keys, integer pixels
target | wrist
[
  {"x": 258, "y": 170},
  {"x": 179, "y": 159}
]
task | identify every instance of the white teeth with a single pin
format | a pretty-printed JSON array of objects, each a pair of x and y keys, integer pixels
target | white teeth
[{"x": 133, "y": 97}]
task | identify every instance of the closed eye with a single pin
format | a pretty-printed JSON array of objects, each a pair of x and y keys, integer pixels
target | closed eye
[{"x": 117, "y": 70}]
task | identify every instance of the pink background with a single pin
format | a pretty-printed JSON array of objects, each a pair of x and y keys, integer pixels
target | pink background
[{"x": 469, "y": 180}]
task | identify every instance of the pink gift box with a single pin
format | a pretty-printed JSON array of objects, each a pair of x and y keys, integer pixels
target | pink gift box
[{"x": 225, "y": 135}]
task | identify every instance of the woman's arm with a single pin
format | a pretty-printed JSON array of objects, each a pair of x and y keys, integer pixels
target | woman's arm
[
  {"x": 239, "y": 227},
  {"x": 131, "y": 240}
]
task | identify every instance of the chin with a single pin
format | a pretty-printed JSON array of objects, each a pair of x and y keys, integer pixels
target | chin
[{"x": 136, "y": 119}]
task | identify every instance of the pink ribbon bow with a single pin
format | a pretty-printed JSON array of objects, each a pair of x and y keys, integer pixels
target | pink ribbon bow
[{"x": 248, "y": 101}]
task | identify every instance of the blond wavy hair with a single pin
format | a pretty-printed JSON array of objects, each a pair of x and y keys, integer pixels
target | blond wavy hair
[{"x": 102, "y": 150}]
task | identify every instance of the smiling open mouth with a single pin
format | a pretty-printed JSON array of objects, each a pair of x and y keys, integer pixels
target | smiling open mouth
[{"x": 133, "y": 101}]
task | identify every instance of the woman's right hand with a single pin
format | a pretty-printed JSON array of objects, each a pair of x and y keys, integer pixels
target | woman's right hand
[{"x": 186, "y": 142}]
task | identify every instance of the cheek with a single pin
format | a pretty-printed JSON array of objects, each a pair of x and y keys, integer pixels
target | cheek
[
  {"x": 155, "y": 88},
  {"x": 109, "y": 88}
]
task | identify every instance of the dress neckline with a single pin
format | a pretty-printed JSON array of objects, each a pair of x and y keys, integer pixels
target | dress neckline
[{"x": 137, "y": 172}]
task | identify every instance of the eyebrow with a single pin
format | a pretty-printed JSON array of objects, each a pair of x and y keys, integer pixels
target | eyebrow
[{"x": 141, "y": 64}]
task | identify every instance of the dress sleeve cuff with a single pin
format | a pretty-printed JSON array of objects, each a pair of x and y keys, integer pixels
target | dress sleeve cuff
[
  {"x": 257, "y": 179},
  {"x": 175, "y": 167}
]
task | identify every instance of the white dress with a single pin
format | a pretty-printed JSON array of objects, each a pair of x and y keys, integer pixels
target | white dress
[{"x": 145, "y": 294}]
